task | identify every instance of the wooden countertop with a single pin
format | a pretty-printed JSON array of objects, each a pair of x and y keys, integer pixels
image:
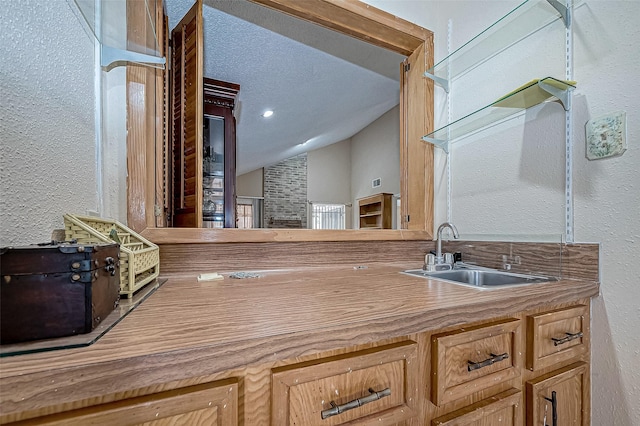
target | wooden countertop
[{"x": 190, "y": 328}]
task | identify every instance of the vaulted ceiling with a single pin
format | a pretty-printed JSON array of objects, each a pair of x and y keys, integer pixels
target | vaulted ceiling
[{"x": 323, "y": 87}]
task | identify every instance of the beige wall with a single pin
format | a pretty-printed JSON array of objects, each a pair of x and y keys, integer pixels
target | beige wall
[
  {"x": 329, "y": 175},
  {"x": 250, "y": 184},
  {"x": 375, "y": 153}
]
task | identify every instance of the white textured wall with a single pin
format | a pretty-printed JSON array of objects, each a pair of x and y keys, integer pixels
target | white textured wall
[
  {"x": 375, "y": 153},
  {"x": 47, "y": 130},
  {"x": 607, "y": 201},
  {"x": 606, "y": 192}
]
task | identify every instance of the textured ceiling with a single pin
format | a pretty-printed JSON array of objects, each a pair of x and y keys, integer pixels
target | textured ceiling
[{"x": 323, "y": 87}]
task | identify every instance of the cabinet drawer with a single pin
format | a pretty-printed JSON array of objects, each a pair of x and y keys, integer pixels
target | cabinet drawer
[
  {"x": 503, "y": 409},
  {"x": 338, "y": 388},
  {"x": 205, "y": 404},
  {"x": 557, "y": 336},
  {"x": 468, "y": 360}
]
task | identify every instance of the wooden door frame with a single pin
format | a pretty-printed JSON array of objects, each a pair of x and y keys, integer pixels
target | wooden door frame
[{"x": 355, "y": 19}]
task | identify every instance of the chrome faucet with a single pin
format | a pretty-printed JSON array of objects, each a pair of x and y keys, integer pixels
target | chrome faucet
[
  {"x": 441, "y": 228},
  {"x": 440, "y": 262}
]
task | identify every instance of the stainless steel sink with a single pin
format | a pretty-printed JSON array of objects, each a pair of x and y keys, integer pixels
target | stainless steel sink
[{"x": 481, "y": 278}]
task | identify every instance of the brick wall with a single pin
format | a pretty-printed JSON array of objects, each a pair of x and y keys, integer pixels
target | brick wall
[{"x": 285, "y": 193}]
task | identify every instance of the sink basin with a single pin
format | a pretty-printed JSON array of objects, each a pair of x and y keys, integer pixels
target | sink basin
[{"x": 481, "y": 278}]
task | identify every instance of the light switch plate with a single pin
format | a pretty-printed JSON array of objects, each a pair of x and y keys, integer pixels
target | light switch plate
[{"x": 606, "y": 135}]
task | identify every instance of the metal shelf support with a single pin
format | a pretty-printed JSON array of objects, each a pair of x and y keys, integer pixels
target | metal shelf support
[
  {"x": 440, "y": 143},
  {"x": 111, "y": 55},
  {"x": 563, "y": 95},
  {"x": 563, "y": 10},
  {"x": 442, "y": 82}
]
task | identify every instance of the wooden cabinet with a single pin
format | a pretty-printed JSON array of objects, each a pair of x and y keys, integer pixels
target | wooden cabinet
[
  {"x": 377, "y": 385},
  {"x": 203, "y": 141},
  {"x": 469, "y": 360},
  {"x": 556, "y": 336},
  {"x": 376, "y": 211},
  {"x": 478, "y": 378},
  {"x": 503, "y": 409},
  {"x": 206, "y": 404},
  {"x": 219, "y": 162},
  {"x": 560, "y": 398},
  {"x": 461, "y": 375}
]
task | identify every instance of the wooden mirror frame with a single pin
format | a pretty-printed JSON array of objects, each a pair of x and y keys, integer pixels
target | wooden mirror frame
[{"x": 349, "y": 17}]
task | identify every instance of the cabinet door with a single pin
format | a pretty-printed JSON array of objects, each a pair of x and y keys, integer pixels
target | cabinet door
[
  {"x": 560, "y": 398},
  {"x": 187, "y": 115},
  {"x": 377, "y": 386},
  {"x": 416, "y": 157},
  {"x": 207, "y": 404},
  {"x": 503, "y": 409}
]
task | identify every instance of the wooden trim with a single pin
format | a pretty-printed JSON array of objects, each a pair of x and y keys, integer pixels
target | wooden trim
[
  {"x": 358, "y": 20},
  {"x": 477, "y": 411},
  {"x": 203, "y": 235},
  {"x": 349, "y": 17},
  {"x": 140, "y": 187}
]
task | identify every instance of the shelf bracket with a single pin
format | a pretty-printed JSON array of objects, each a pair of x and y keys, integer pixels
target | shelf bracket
[
  {"x": 440, "y": 143},
  {"x": 563, "y": 10},
  {"x": 442, "y": 82},
  {"x": 111, "y": 55},
  {"x": 562, "y": 94}
]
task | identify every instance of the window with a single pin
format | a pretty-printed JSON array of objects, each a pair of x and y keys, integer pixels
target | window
[
  {"x": 244, "y": 214},
  {"x": 328, "y": 216}
]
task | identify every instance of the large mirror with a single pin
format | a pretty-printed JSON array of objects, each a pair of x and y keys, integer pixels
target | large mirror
[
  {"x": 333, "y": 137},
  {"x": 353, "y": 19}
]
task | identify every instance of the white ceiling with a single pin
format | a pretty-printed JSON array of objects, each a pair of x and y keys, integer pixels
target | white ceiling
[{"x": 323, "y": 87}]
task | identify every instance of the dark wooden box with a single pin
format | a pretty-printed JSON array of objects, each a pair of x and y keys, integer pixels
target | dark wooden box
[{"x": 57, "y": 289}]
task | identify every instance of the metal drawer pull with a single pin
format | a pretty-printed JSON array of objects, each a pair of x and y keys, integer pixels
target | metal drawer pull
[
  {"x": 494, "y": 358},
  {"x": 554, "y": 409},
  {"x": 568, "y": 338},
  {"x": 337, "y": 409}
]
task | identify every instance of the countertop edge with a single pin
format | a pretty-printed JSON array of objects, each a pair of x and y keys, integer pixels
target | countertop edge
[{"x": 27, "y": 392}]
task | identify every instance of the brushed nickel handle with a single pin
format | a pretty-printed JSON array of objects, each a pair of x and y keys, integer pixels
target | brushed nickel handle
[
  {"x": 489, "y": 361},
  {"x": 569, "y": 337},
  {"x": 337, "y": 409}
]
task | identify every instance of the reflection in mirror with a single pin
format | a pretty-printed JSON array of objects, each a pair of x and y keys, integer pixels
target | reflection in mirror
[{"x": 335, "y": 123}]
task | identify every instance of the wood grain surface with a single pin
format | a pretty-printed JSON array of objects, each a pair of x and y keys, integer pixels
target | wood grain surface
[
  {"x": 569, "y": 261},
  {"x": 190, "y": 329},
  {"x": 176, "y": 258}
]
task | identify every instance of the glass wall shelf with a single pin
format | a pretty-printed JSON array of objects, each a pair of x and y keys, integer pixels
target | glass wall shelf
[
  {"x": 516, "y": 25},
  {"x": 103, "y": 21},
  {"x": 526, "y": 96}
]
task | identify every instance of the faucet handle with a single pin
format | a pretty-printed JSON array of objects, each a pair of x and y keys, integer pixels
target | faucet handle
[
  {"x": 429, "y": 262},
  {"x": 448, "y": 258}
]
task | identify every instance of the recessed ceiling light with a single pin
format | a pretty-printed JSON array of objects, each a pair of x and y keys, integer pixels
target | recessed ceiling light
[{"x": 268, "y": 113}]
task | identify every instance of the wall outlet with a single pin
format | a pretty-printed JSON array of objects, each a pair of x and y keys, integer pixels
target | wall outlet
[{"x": 376, "y": 182}]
